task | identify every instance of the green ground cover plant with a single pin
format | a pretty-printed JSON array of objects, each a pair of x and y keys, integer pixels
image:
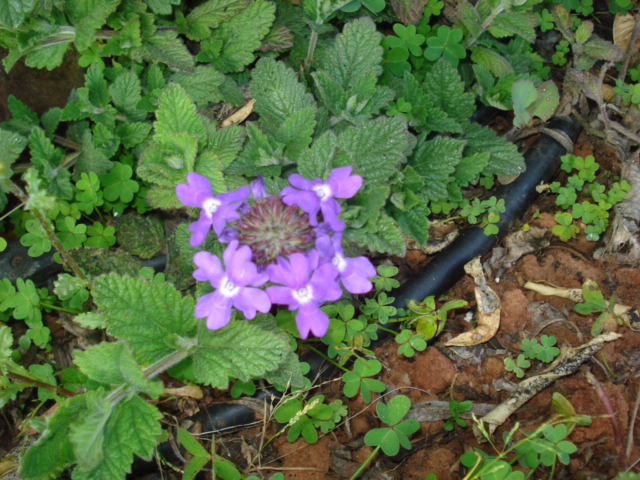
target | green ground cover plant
[{"x": 361, "y": 135}]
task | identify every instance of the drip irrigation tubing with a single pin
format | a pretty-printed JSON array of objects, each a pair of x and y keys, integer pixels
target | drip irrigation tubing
[{"x": 447, "y": 267}]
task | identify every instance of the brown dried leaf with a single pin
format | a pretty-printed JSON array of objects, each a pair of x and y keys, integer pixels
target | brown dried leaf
[
  {"x": 622, "y": 29},
  {"x": 488, "y": 310},
  {"x": 409, "y": 11}
]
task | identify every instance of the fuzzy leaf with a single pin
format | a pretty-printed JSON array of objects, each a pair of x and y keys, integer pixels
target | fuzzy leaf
[
  {"x": 91, "y": 158},
  {"x": 202, "y": 85},
  {"x": 87, "y": 16},
  {"x": 470, "y": 168},
  {"x": 113, "y": 364},
  {"x": 512, "y": 23},
  {"x": 152, "y": 318},
  {"x": 140, "y": 235},
  {"x": 162, "y": 7},
  {"x": 377, "y": 148},
  {"x": 414, "y": 222},
  {"x": 278, "y": 92},
  {"x": 435, "y": 161},
  {"x": 87, "y": 431},
  {"x": 126, "y": 92},
  {"x": 53, "y": 451},
  {"x": 133, "y": 428},
  {"x": 354, "y": 54},
  {"x": 445, "y": 87},
  {"x": 177, "y": 113},
  {"x": 295, "y": 132},
  {"x": 209, "y": 15},
  {"x": 505, "y": 158},
  {"x": 239, "y": 350},
  {"x": 387, "y": 237},
  {"x": 166, "y": 47},
  {"x": 48, "y": 56},
  {"x": 241, "y": 36},
  {"x": 318, "y": 160},
  {"x": 46, "y": 158},
  {"x": 168, "y": 160},
  {"x": 11, "y": 144},
  {"x": 13, "y": 12}
]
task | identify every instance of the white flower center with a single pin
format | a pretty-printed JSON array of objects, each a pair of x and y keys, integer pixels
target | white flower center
[
  {"x": 323, "y": 191},
  {"x": 210, "y": 206},
  {"x": 228, "y": 288},
  {"x": 303, "y": 295},
  {"x": 339, "y": 261}
]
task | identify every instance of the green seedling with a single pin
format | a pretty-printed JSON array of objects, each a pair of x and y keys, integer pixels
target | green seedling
[
  {"x": 457, "y": 407},
  {"x": 200, "y": 457},
  {"x": 410, "y": 343},
  {"x": 358, "y": 379},
  {"x": 427, "y": 319},
  {"x": 545, "y": 351},
  {"x": 521, "y": 363},
  {"x": 447, "y": 44},
  {"x": 389, "y": 439},
  {"x": 303, "y": 419},
  {"x": 594, "y": 302}
]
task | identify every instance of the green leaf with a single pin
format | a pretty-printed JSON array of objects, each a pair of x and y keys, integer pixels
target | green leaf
[
  {"x": 241, "y": 36},
  {"x": 46, "y": 158},
  {"x": 176, "y": 113},
  {"x": 523, "y": 93},
  {"x": 318, "y": 160},
  {"x": 133, "y": 428},
  {"x": 11, "y": 144},
  {"x": 207, "y": 16},
  {"x": 414, "y": 222},
  {"x": 91, "y": 158},
  {"x": 162, "y": 7},
  {"x": 444, "y": 86},
  {"x": 36, "y": 239},
  {"x": 168, "y": 160},
  {"x": 53, "y": 451},
  {"x": 87, "y": 432},
  {"x": 133, "y": 133},
  {"x": 435, "y": 161},
  {"x": 193, "y": 446},
  {"x": 515, "y": 23},
  {"x": 13, "y": 12},
  {"x": 240, "y": 350},
  {"x": 126, "y": 92},
  {"x": 118, "y": 185},
  {"x": 87, "y": 16},
  {"x": 152, "y": 318},
  {"x": 278, "y": 92},
  {"x": 505, "y": 158},
  {"x": 140, "y": 235},
  {"x": 201, "y": 85},
  {"x": 166, "y": 47},
  {"x": 113, "y": 364},
  {"x": 376, "y": 148},
  {"x": 354, "y": 54}
]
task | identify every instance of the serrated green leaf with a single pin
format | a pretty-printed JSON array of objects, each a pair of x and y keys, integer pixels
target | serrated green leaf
[
  {"x": 113, "y": 364},
  {"x": 53, "y": 451},
  {"x": 278, "y": 92},
  {"x": 176, "y": 113},
  {"x": 140, "y": 235},
  {"x": 387, "y": 237},
  {"x": 414, "y": 222},
  {"x": 318, "y": 160},
  {"x": 295, "y": 133},
  {"x": 126, "y": 92},
  {"x": 602, "y": 49},
  {"x": 505, "y": 158},
  {"x": 240, "y": 350},
  {"x": 470, "y": 168},
  {"x": 47, "y": 56},
  {"x": 492, "y": 61},
  {"x": 167, "y": 161},
  {"x": 11, "y": 144},
  {"x": 152, "y": 318},
  {"x": 166, "y": 47},
  {"x": 133, "y": 133},
  {"x": 200, "y": 22},
  {"x": 202, "y": 85},
  {"x": 23, "y": 119},
  {"x": 162, "y": 7},
  {"x": 87, "y": 16},
  {"x": 435, "y": 161},
  {"x": 90, "y": 320},
  {"x": 87, "y": 431},
  {"x": 515, "y": 23},
  {"x": 241, "y": 36},
  {"x": 6, "y": 346},
  {"x": 355, "y": 53},
  {"x": 91, "y": 158},
  {"x": 447, "y": 91},
  {"x": 224, "y": 144},
  {"x": 13, "y": 12},
  {"x": 133, "y": 428},
  {"x": 376, "y": 148}
]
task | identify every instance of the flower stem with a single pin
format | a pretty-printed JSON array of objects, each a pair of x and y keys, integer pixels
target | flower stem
[
  {"x": 313, "y": 41},
  {"x": 66, "y": 258},
  {"x": 365, "y": 464},
  {"x": 333, "y": 362}
]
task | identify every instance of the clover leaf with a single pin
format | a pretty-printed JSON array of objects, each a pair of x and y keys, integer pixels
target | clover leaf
[{"x": 447, "y": 44}]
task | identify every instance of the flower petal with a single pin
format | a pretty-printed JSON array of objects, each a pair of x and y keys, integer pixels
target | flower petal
[
  {"x": 282, "y": 296},
  {"x": 209, "y": 268},
  {"x": 310, "y": 319},
  {"x": 217, "y": 309},
  {"x": 249, "y": 300},
  {"x": 343, "y": 184}
]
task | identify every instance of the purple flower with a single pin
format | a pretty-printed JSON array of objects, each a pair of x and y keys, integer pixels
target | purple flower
[
  {"x": 233, "y": 287},
  {"x": 354, "y": 272},
  {"x": 316, "y": 195},
  {"x": 216, "y": 210},
  {"x": 305, "y": 287}
]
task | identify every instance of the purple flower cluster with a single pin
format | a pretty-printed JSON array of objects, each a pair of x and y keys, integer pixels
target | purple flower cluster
[{"x": 278, "y": 243}]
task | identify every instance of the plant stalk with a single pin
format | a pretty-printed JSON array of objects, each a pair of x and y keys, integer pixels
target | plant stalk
[{"x": 365, "y": 464}]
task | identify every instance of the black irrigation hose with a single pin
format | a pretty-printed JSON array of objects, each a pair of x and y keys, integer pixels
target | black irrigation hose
[{"x": 543, "y": 162}]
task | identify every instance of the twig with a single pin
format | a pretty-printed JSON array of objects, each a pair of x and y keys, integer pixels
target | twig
[
  {"x": 627, "y": 54},
  {"x": 632, "y": 423}
]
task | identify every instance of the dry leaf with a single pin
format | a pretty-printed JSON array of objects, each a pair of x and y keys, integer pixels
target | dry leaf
[
  {"x": 622, "y": 29},
  {"x": 239, "y": 115},
  {"x": 488, "y": 310}
]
